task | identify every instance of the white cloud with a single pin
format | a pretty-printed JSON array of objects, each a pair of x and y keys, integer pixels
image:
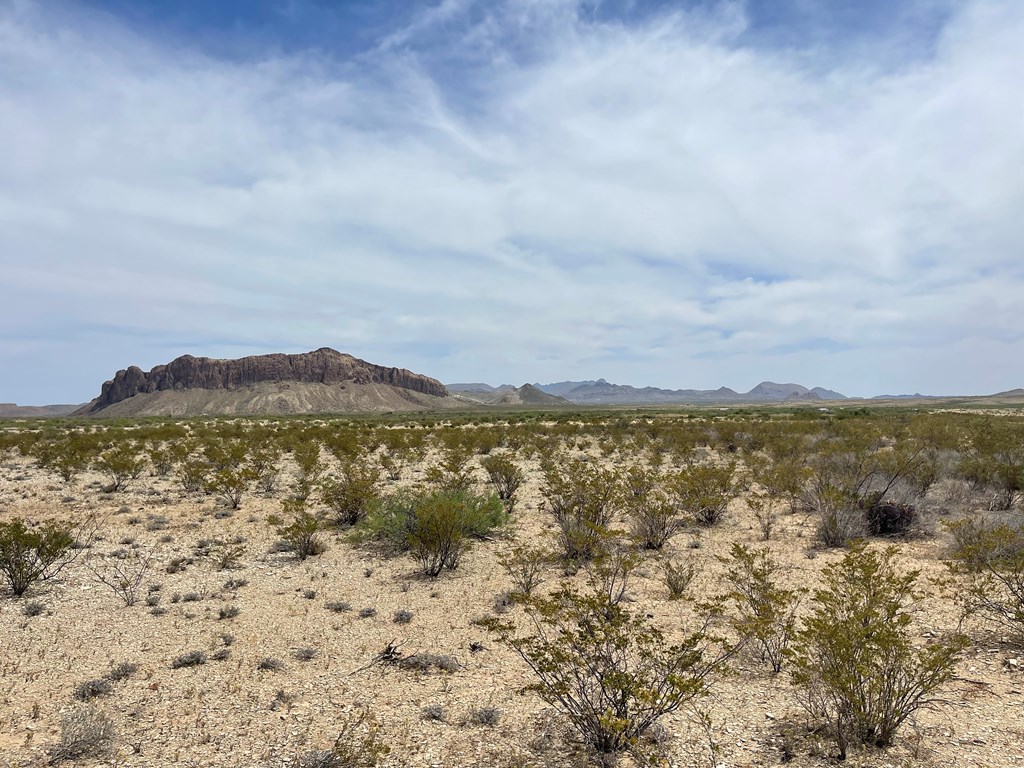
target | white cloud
[{"x": 524, "y": 194}]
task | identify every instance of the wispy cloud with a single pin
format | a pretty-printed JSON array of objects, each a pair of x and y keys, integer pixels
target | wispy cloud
[{"x": 518, "y": 191}]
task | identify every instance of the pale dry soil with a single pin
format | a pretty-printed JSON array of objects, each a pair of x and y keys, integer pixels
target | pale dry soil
[{"x": 224, "y": 713}]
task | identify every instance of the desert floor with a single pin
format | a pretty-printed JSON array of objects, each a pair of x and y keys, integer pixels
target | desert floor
[{"x": 232, "y": 713}]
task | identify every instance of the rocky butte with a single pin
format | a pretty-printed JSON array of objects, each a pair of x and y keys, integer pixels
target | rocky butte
[{"x": 324, "y": 380}]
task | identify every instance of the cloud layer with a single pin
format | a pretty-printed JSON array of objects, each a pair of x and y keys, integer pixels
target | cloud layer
[{"x": 520, "y": 191}]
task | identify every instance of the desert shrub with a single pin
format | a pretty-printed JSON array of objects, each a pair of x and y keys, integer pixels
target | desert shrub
[
  {"x": 122, "y": 671},
  {"x": 402, "y": 616},
  {"x": 505, "y": 477},
  {"x": 988, "y": 558},
  {"x": 192, "y": 474},
  {"x": 581, "y": 497},
  {"x": 850, "y": 473},
  {"x": 436, "y": 527},
  {"x": 34, "y": 553},
  {"x": 123, "y": 464},
  {"x": 230, "y": 483},
  {"x": 854, "y": 657},
  {"x": 611, "y": 672},
  {"x": 305, "y": 654},
  {"x": 610, "y": 572},
  {"x": 996, "y": 460},
  {"x": 678, "y": 577},
  {"x": 434, "y": 712},
  {"x": 228, "y": 612},
  {"x": 705, "y": 490},
  {"x": 525, "y": 566},
  {"x": 33, "y": 608},
  {"x": 308, "y": 463},
  {"x": 359, "y": 745},
  {"x": 67, "y": 455},
  {"x": 350, "y": 495},
  {"x": 190, "y": 659},
  {"x": 302, "y": 534},
  {"x": 85, "y": 732},
  {"x": 487, "y": 716},
  {"x": 453, "y": 473},
  {"x": 653, "y": 512},
  {"x": 367, "y": 613},
  {"x": 90, "y": 689},
  {"x": 123, "y": 576},
  {"x": 270, "y": 664},
  {"x": 338, "y": 606},
  {"x": 764, "y": 612}
]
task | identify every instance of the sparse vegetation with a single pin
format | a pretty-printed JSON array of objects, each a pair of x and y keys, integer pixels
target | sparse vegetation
[{"x": 615, "y": 513}]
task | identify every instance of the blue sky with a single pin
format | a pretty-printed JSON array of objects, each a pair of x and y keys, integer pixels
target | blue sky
[{"x": 684, "y": 194}]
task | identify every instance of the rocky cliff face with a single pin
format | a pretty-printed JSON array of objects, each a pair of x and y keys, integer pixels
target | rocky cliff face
[{"x": 324, "y": 366}]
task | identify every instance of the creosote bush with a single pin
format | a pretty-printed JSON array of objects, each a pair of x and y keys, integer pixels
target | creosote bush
[
  {"x": 359, "y": 745},
  {"x": 705, "y": 490},
  {"x": 525, "y": 566},
  {"x": 764, "y": 612},
  {"x": 854, "y": 657},
  {"x": 988, "y": 559},
  {"x": 678, "y": 577},
  {"x": 582, "y": 498},
  {"x": 302, "y": 535},
  {"x": 351, "y": 495},
  {"x": 505, "y": 477},
  {"x": 612, "y": 672},
  {"x": 31, "y": 553}
]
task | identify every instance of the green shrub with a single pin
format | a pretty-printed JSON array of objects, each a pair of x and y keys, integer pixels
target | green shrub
[
  {"x": 705, "y": 490},
  {"x": 581, "y": 497},
  {"x": 854, "y": 657},
  {"x": 764, "y": 612},
  {"x": 653, "y": 514},
  {"x": 678, "y": 577},
  {"x": 611, "y": 672},
  {"x": 351, "y": 495},
  {"x": 453, "y": 473},
  {"x": 525, "y": 566},
  {"x": 988, "y": 558},
  {"x": 443, "y": 524},
  {"x": 434, "y": 527},
  {"x": 122, "y": 464},
  {"x": 359, "y": 745},
  {"x": 996, "y": 460},
  {"x": 230, "y": 483},
  {"x": 37, "y": 553},
  {"x": 505, "y": 477},
  {"x": 302, "y": 534}
]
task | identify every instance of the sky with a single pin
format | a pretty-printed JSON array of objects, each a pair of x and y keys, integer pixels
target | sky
[{"x": 674, "y": 194}]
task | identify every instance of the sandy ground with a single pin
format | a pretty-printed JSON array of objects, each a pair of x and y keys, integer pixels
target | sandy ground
[{"x": 231, "y": 713}]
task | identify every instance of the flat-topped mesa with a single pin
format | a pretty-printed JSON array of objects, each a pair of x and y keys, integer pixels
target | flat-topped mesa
[{"x": 322, "y": 366}]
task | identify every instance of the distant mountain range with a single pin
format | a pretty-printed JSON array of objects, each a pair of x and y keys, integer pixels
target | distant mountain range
[{"x": 601, "y": 392}]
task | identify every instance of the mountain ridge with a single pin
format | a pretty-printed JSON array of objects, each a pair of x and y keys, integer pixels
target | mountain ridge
[{"x": 317, "y": 380}]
